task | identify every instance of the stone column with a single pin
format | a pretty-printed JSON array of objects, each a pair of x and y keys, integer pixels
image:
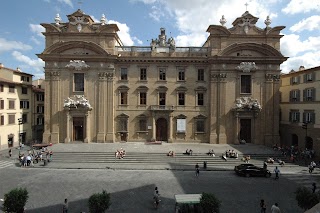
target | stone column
[
  {"x": 222, "y": 137},
  {"x": 213, "y": 109},
  {"x": 236, "y": 135},
  {"x": 110, "y": 107},
  {"x": 268, "y": 110},
  {"x": 67, "y": 139},
  {"x": 46, "y": 137},
  {"x": 101, "y": 107},
  {"x": 88, "y": 132},
  {"x": 276, "y": 102},
  {"x": 153, "y": 127},
  {"x": 56, "y": 106}
]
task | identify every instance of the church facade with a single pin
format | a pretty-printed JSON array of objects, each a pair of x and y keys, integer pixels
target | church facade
[{"x": 98, "y": 90}]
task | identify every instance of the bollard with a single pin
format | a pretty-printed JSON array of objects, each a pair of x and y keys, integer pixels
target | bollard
[
  {"x": 205, "y": 164},
  {"x": 45, "y": 162}
]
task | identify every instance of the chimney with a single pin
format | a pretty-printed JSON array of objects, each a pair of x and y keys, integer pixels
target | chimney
[
  {"x": 301, "y": 68},
  {"x": 18, "y": 69}
]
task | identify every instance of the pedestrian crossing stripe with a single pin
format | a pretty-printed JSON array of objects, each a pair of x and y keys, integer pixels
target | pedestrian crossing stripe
[{"x": 4, "y": 164}]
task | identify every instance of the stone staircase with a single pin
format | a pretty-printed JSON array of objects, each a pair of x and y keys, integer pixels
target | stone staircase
[{"x": 142, "y": 160}]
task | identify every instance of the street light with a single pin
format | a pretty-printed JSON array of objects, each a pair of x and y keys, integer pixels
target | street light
[{"x": 20, "y": 121}]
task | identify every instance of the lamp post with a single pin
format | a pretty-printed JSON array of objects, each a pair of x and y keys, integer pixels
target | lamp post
[{"x": 20, "y": 121}]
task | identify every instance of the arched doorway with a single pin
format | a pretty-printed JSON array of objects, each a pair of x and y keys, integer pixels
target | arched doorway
[
  {"x": 309, "y": 143},
  {"x": 161, "y": 129},
  {"x": 294, "y": 140}
]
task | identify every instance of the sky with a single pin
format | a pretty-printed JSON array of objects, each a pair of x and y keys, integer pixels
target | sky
[{"x": 140, "y": 21}]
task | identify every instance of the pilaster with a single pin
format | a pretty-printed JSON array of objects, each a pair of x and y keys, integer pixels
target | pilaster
[
  {"x": 101, "y": 107},
  {"x": 67, "y": 139},
  {"x": 110, "y": 137},
  {"x": 55, "y": 106}
]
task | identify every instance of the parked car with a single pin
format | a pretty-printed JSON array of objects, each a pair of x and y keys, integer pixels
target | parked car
[{"x": 249, "y": 170}]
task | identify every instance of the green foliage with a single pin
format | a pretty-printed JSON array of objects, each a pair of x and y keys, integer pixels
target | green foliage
[
  {"x": 209, "y": 203},
  {"x": 306, "y": 199},
  {"x": 15, "y": 200},
  {"x": 99, "y": 203}
]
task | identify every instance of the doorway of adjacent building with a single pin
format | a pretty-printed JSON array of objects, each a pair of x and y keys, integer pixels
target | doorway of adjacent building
[
  {"x": 245, "y": 130},
  {"x": 294, "y": 140},
  {"x": 309, "y": 143},
  {"x": 124, "y": 136},
  {"x": 78, "y": 127},
  {"x": 161, "y": 130}
]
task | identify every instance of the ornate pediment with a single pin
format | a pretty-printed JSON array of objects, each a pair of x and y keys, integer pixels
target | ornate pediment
[
  {"x": 77, "y": 65},
  {"x": 77, "y": 102},
  {"x": 247, "y": 66},
  {"x": 247, "y": 103}
]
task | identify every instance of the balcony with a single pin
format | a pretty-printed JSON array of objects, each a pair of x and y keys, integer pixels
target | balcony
[{"x": 161, "y": 108}]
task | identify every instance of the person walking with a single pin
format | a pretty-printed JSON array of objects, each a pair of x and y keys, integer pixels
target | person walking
[
  {"x": 275, "y": 208},
  {"x": 65, "y": 206},
  {"x": 156, "y": 197},
  {"x": 277, "y": 172},
  {"x": 263, "y": 206},
  {"x": 197, "y": 170}
]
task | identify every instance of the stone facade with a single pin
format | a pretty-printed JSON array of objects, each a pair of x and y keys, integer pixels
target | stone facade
[
  {"x": 98, "y": 90},
  {"x": 15, "y": 107},
  {"x": 300, "y": 108}
]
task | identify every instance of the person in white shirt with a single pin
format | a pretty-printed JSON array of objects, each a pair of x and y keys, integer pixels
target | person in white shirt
[{"x": 275, "y": 208}]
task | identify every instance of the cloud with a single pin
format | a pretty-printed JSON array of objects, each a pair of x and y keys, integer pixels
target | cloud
[
  {"x": 123, "y": 33},
  {"x": 37, "y": 28},
  {"x": 68, "y": 2},
  {"x": 137, "y": 40},
  {"x": 36, "y": 41},
  {"x": 6, "y": 45},
  {"x": 308, "y": 60},
  {"x": 34, "y": 64},
  {"x": 95, "y": 19},
  {"x": 192, "y": 39},
  {"x": 309, "y": 24},
  {"x": 301, "y": 6},
  {"x": 156, "y": 13},
  {"x": 288, "y": 49}
]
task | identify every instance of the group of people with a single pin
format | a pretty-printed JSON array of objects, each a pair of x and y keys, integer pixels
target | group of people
[
  {"x": 274, "y": 208},
  {"x": 188, "y": 152},
  {"x": 120, "y": 153},
  {"x": 171, "y": 154},
  {"x": 246, "y": 159},
  {"x": 278, "y": 160},
  {"x": 231, "y": 154},
  {"x": 211, "y": 153},
  {"x": 33, "y": 156}
]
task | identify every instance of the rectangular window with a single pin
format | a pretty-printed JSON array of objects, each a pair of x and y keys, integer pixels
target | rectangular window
[
  {"x": 309, "y": 94},
  {"x": 25, "y": 78},
  {"x": 24, "y": 104},
  {"x": 162, "y": 98},
  {"x": 24, "y": 118},
  {"x": 124, "y": 73},
  {"x": 295, "y": 116},
  {"x": 200, "y": 101},
  {"x": 181, "y": 98},
  {"x": 295, "y": 95},
  {"x": 11, "y": 88},
  {"x": 309, "y": 77},
  {"x": 11, "y": 119},
  {"x": 1, "y": 88},
  {"x": 123, "y": 125},
  {"x": 200, "y": 74},
  {"x": 40, "y": 109},
  {"x": 162, "y": 74},
  {"x": 40, "y": 97},
  {"x": 181, "y": 125},
  {"x": 2, "y": 120},
  {"x": 143, "y": 74},
  {"x": 1, "y": 104},
  {"x": 142, "y": 125},
  {"x": 78, "y": 82},
  {"x": 143, "y": 98},
  {"x": 200, "y": 126},
  {"x": 24, "y": 90},
  {"x": 309, "y": 117},
  {"x": 295, "y": 80},
  {"x": 245, "y": 84},
  {"x": 181, "y": 74},
  {"x": 11, "y": 104},
  {"x": 124, "y": 98},
  {"x": 40, "y": 120}
]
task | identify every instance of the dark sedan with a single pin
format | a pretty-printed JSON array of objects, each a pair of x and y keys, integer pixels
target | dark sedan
[{"x": 251, "y": 170}]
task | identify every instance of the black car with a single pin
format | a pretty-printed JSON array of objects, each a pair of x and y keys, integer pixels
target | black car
[{"x": 251, "y": 170}]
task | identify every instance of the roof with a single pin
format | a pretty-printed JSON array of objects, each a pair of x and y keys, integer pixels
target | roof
[
  {"x": 300, "y": 71},
  {"x": 188, "y": 198},
  {"x": 3, "y": 80},
  {"x": 16, "y": 71}
]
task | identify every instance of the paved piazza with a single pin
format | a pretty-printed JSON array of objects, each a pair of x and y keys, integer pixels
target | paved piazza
[{"x": 131, "y": 191}]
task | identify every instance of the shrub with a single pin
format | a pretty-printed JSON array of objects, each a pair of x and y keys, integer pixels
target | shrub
[
  {"x": 306, "y": 199},
  {"x": 210, "y": 203},
  {"x": 99, "y": 203},
  {"x": 15, "y": 200}
]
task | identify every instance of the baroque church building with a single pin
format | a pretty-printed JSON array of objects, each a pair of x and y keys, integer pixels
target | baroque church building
[{"x": 98, "y": 90}]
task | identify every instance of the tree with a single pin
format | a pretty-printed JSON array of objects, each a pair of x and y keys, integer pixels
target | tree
[
  {"x": 306, "y": 199},
  {"x": 209, "y": 203},
  {"x": 99, "y": 202},
  {"x": 15, "y": 200}
]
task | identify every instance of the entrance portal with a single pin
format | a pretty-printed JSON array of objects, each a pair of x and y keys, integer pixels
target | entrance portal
[
  {"x": 309, "y": 143},
  {"x": 294, "y": 140},
  {"x": 78, "y": 126},
  {"x": 161, "y": 130},
  {"x": 245, "y": 130}
]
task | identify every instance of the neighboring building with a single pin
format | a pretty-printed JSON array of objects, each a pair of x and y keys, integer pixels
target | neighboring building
[
  {"x": 98, "y": 90},
  {"x": 300, "y": 108},
  {"x": 15, "y": 107},
  {"x": 38, "y": 110}
]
